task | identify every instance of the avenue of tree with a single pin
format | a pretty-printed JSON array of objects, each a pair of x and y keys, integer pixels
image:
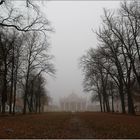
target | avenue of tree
[
  {"x": 24, "y": 57},
  {"x": 112, "y": 69}
]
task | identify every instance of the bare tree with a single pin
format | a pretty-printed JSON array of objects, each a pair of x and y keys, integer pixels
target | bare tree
[
  {"x": 5, "y": 46},
  {"x": 117, "y": 56},
  {"x": 36, "y": 59},
  {"x": 15, "y": 26},
  {"x": 95, "y": 77},
  {"x": 19, "y": 19}
]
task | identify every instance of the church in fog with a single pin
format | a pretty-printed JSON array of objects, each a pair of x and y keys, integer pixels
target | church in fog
[{"x": 73, "y": 103}]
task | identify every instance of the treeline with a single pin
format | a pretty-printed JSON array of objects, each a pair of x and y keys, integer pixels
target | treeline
[
  {"x": 112, "y": 69},
  {"x": 24, "y": 58}
]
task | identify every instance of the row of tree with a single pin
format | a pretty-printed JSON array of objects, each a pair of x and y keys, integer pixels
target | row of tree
[
  {"x": 24, "y": 58},
  {"x": 112, "y": 69}
]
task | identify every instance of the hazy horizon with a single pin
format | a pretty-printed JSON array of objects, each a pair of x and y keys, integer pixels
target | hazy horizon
[{"x": 73, "y": 22}]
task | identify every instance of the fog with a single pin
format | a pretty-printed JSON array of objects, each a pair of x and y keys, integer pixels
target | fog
[{"x": 73, "y": 22}]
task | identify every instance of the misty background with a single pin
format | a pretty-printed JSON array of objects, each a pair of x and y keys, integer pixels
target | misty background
[{"x": 73, "y": 22}]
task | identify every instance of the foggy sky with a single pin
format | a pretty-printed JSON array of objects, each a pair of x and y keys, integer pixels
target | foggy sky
[{"x": 72, "y": 21}]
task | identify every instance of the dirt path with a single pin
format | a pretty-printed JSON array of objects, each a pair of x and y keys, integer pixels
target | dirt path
[{"x": 76, "y": 128}]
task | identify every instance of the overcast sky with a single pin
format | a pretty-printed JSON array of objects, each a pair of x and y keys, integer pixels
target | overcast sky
[{"x": 73, "y": 21}]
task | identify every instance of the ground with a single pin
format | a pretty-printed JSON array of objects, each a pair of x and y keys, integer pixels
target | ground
[{"x": 70, "y": 125}]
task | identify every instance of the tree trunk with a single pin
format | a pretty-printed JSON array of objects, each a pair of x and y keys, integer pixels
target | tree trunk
[
  {"x": 12, "y": 80},
  {"x": 112, "y": 101},
  {"x": 100, "y": 100},
  {"x": 104, "y": 105},
  {"x": 25, "y": 94},
  {"x": 11, "y": 91},
  {"x": 4, "y": 91},
  {"x": 122, "y": 98},
  {"x": 39, "y": 102},
  {"x": 131, "y": 109},
  {"x": 106, "y": 101},
  {"x": 32, "y": 93},
  {"x": 14, "y": 102}
]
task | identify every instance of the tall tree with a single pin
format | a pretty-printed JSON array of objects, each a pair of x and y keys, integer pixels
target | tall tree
[{"x": 36, "y": 59}]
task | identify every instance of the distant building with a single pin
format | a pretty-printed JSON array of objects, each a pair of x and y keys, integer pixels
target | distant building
[{"x": 73, "y": 103}]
